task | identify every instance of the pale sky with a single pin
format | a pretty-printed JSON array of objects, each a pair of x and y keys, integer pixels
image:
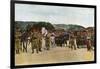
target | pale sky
[{"x": 55, "y": 14}]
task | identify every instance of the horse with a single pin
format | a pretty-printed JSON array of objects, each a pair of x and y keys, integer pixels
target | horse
[{"x": 62, "y": 39}]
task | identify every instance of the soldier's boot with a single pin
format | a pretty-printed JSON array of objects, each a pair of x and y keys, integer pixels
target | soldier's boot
[
  {"x": 89, "y": 48},
  {"x": 61, "y": 45},
  {"x": 37, "y": 51},
  {"x": 74, "y": 48},
  {"x": 17, "y": 51},
  {"x": 32, "y": 50},
  {"x": 78, "y": 47},
  {"x": 26, "y": 50},
  {"x": 23, "y": 48},
  {"x": 40, "y": 50},
  {"x": 48, "y": 48},
  {"x": 71, "y": 47}
]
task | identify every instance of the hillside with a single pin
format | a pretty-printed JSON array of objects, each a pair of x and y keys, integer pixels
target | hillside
[
  {"x": 68, "y": 27},
  {"x": 27, "y": 24},
  {"x": 24, "y": 24}
]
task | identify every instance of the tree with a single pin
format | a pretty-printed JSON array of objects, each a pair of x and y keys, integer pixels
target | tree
[
  {"x": 47, "y": 25},
  {"x": 28, "y": 27}
]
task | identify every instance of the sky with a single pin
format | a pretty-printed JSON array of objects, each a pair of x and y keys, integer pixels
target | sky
[{"x": 55, "y": 14}]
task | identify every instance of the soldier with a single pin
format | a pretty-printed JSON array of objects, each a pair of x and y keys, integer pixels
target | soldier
[
  {"x": 73, "y": 41},
  {"x": 66, "y": 39},
  {"x": 88, "y": 42},
  {"x": 52, "y": 40},
  {"x": 24, "y": 41},
  {"x": 17, "y": 45},
  {"x": 44, "y": 34},
  {"x": 34, "y": 42},
  {"x": 47, "y": 39},
  {"x": 17, "y": 41},
  {"x": 39, "y": 42}
]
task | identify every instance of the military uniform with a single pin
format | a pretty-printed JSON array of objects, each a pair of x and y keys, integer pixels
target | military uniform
[
  {"x": 73, "y": 42},
  {"x": 39, "y": 44},
  {"x": 89, "y": 43},
  {"x": 47, "y": 43},
  {"x": 17, "y": 42},
  {"x": 34, "y": 42},
  {"x": 17, "y": 45}
]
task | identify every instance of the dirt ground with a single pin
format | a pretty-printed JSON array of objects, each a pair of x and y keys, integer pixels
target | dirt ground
[{"x": 54, "y": 55}]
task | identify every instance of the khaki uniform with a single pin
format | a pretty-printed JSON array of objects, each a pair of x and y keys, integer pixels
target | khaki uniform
[
  {"x": 72, "y": 42},
  {"x": 89, "y": 46},
  {"x": 39, "y": 44},
  {"x": 17, "y": 45},
  {"x": 34, "y": 43},
  {"x": 47, "y": 43},
  {"x": 17, "y": 42}
]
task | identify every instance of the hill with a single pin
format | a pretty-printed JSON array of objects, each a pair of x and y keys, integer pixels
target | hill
[
  {"x": 23, "y": 25},
  {"x": 68, "y": 27}
]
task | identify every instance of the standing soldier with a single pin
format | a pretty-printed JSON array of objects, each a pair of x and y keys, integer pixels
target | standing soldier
[
  {"x": 39, "y": 42},
  {"x": 17, "y": 41},
  {"x": 88, "y": 41},
  {"x": 24, "y": 41},
  {"x": 47, "y": 39},
  {"x": 66, "y": 39},
  {"x": 73, "y": 41},
  {"x": 34, "y": 42},
  {"x": 44, "y": 34},
  {"x": 52, "y": 40}
]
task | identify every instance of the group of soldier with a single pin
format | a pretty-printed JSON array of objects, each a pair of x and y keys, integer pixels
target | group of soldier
[
  {"x": 44, "y": 41},
  {"x": 37, "y": 40}
]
